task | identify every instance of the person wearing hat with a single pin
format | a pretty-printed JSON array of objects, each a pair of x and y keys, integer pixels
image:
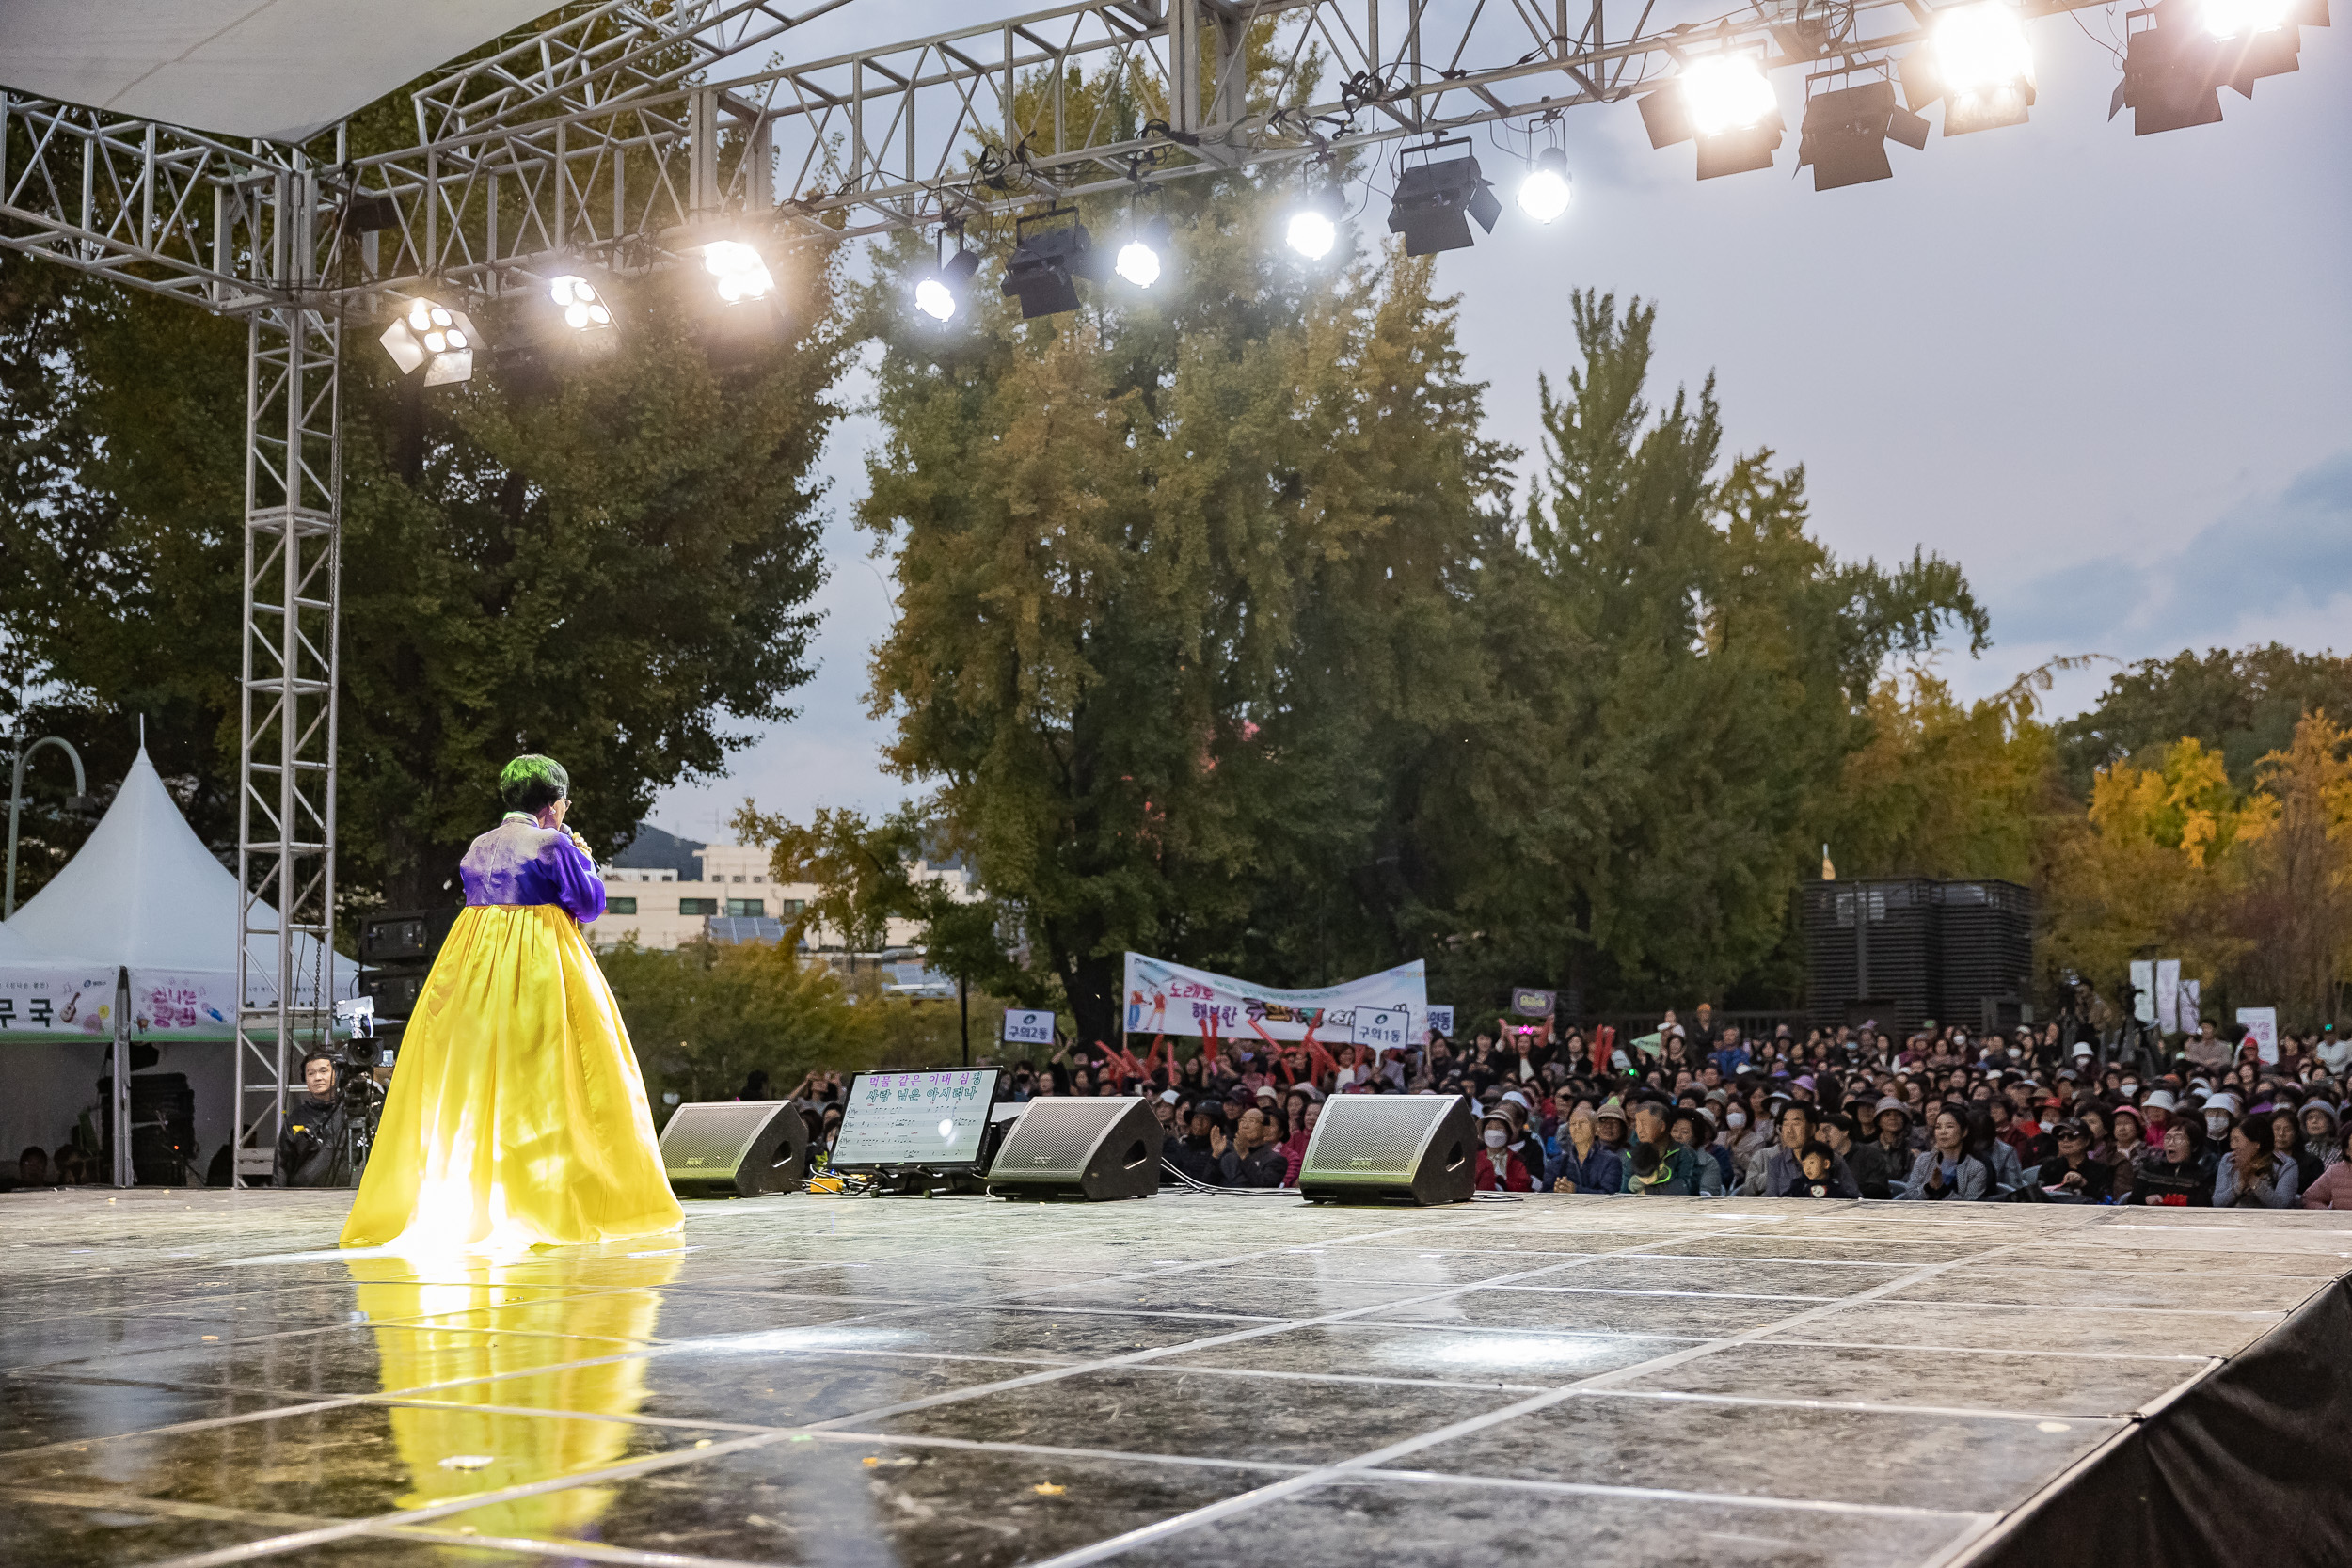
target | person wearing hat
[
  {"x": 2321, "y": 1147},
  {"x": 2071, "y": 1176},
  {"x": 1582, "y": 1163},
  {"x": 1524, "y": 1142},
  {"x": 1613, "y": 1123},
  {"x": 1499, "y": 1169},
  {"x": 1881, "y": 1162}
]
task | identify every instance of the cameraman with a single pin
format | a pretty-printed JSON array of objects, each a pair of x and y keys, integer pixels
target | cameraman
[{"x": 314, "y": 1148}]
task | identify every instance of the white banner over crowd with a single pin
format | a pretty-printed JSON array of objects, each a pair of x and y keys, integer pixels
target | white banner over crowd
[{"x": 1387, "y": 1010}]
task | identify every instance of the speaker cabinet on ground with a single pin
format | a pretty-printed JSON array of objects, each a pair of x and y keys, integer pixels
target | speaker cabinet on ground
[
  {"x": 1392, "y": 1148},
  {"x": 1080, "y": 1148},
  {"x": 734, "y": 1148}
]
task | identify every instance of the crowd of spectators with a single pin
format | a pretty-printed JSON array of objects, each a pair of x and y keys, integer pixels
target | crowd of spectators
[{"x": 1698, "y": 1109}]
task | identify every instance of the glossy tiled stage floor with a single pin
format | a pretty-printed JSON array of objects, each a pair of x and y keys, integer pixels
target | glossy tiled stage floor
[{"x": 1222, "y": 1380}]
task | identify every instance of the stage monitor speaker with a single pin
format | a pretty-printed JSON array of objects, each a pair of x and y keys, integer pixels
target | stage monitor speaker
[
  {"x": 1392, "y": 1148},
  {"x": 1080, "y": 1148},
  {"x": 735, "y": 1149}
]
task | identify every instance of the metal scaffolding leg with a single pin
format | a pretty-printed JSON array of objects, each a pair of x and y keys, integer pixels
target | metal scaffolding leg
[{"x": 286, "y": 774}]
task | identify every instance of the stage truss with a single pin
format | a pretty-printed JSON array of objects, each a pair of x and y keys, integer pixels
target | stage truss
[{"x": 622, "y": 136}]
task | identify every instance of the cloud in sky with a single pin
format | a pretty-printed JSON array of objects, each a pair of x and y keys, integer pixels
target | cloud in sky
[{"x": 2278, "y": 559}]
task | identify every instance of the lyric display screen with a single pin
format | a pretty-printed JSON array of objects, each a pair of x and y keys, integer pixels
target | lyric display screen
[{"x": 916, "y": 1118}]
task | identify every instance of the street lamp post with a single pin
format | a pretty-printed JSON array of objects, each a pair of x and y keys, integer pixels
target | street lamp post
[{"x": 81, "y": 801}]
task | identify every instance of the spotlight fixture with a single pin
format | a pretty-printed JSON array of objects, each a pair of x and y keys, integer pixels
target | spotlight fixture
[
  {"x": 1979, "y": 62},
  {"x": 439, "y": 338},
  {"x": 584, "y": 309},
  {"x": 1845, "y": 131},
  {"x": 740, "y": 272},
  {"x": 1724, "y": 104},
  {"x": 939, "y": 293},
  {"x": 1045, "y": 268},
  {"x": 2174, "y": 67},
  {"x": 1140, "y": 259},
  {"x": 1544, "y": 194},
  {"x": 1436, "y": 201},
  {"x": 1314, "y": 227}
]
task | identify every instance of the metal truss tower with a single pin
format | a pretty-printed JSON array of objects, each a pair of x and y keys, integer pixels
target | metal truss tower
[{"x": 286, "y": 767}]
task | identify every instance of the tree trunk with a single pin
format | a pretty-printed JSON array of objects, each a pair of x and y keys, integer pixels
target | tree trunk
[{"x": 1092, "y": 984}]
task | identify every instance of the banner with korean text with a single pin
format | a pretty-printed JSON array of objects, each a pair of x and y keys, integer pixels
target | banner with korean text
[
  {"x": 1387, "y": 1010},
  {"x": 64, "y": 1002}
]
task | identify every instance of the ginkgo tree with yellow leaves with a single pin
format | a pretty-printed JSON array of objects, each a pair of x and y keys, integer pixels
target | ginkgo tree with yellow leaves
[{"x": 2252, "y": 889}]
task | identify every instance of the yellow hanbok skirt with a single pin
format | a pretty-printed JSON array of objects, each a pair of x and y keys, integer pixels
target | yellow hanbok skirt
[{"x": 516, "y": 1116}]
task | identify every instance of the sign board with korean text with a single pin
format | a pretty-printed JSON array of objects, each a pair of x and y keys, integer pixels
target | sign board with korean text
[
  {"x": 1441, "y": 1019},
  {"x": 1028, "y": 1026},
  {"x": 1164, "y": 998},
  {"x": 2262, "y": 1027}
]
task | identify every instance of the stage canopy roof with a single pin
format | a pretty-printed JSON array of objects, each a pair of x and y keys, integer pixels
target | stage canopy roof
[{"x": 280, "y": 70}]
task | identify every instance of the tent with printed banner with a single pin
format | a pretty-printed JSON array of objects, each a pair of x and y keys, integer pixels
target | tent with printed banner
[{"x": 146, "y": 895}]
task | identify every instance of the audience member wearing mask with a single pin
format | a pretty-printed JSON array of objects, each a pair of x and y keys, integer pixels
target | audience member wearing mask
[{"x": 1499, "y": 1169}]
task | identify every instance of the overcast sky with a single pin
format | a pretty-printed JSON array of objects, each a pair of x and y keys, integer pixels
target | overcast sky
[{"x": 2111, "y": 376}]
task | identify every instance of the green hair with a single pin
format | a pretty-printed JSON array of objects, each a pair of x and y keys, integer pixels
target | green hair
[{"x": 533, "y": 782}]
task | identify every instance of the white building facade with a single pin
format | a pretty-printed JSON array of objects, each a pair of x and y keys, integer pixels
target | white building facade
[{"x": 657, "y": 908}]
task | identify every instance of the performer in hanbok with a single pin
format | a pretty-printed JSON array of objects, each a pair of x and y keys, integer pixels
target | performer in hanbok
[{"x": 516, "y": 1114}]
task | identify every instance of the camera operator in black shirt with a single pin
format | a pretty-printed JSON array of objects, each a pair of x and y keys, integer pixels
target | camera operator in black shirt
[{"x": 314, "y": 1147}]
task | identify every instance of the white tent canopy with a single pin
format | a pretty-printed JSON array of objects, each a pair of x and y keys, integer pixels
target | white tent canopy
[
  {"x": 281, "y": 70},
  {"x": 144, "y": 892}
]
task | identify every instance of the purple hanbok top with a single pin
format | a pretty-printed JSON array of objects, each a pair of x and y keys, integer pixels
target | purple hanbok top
[{"x": 519, "y": 861}]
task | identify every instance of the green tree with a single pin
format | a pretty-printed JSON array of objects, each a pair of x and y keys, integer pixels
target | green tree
[
  {"x": 1130, "y": 542},
  {"x": 2243, "y": 704},
  {"x": 703, "y": 1018},
  {"x": 1682, "y": 673},
  {"x": 1943, "y": 788},
  {"x": 608, "y": 565}
]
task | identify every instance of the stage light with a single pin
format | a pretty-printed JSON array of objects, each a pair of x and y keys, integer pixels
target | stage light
[
  {"x": 1139, "y": 258},
  {"x": 1978, "y": 62},
  {"x": 2173, "y": 70},
  {"x": 1723, "y": 103},
  {"x": 1314, "y": 227},
  {"x": 940, "y": 293},
  {"x": 1725, "y": 92},
  {"x": 737, "y": 267},
  {"x": 1544, "y": 194},
  {"x": 1436, "y": 201},
  {"x": 584, "y": 309},
  {"x": 1845, "y": 134},
  {"x": 2230, "y": 19},
  {"x": 439, "y": 338},
  {"x": 1043, "y": 272}
]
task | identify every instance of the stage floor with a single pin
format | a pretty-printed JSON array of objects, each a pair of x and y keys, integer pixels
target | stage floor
[{"x": 191, "y": 1379}]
